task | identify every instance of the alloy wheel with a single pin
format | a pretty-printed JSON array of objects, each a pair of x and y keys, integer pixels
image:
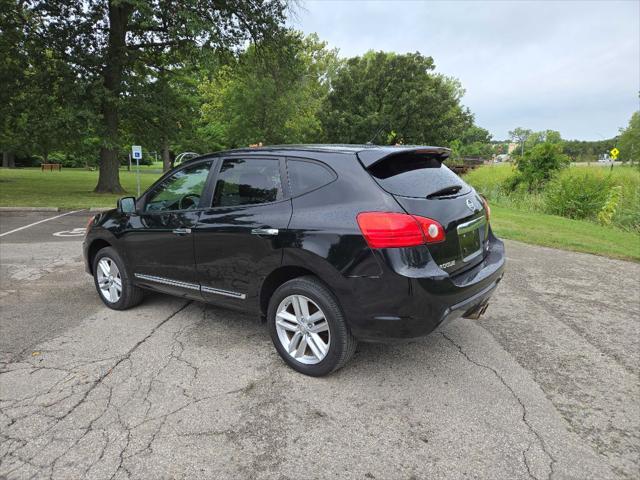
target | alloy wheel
[
  {"x": 303, "y": 329},
  {"x": 109, "y": 280}
]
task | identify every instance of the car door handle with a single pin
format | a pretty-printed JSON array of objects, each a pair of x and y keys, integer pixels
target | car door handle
[
  {"x": 264, "y": 231},
  {"x": 182, "y": 231}
]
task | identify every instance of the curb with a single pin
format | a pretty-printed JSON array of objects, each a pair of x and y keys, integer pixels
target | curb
[
  {"x": 29, "y": 209},
  {"x": 100, "y": 209}
]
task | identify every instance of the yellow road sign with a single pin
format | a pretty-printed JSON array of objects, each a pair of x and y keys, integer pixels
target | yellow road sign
[{"x": 614, "y": 153}]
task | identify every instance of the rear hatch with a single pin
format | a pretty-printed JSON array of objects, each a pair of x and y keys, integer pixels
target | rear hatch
[{"x": 423, "y": 186}]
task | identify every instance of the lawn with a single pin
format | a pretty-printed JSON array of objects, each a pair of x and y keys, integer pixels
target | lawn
[
  {"x": 73, "y": 188},
  {"x": 70, "y": 188},
  {"x": 522, "y": 216},
  {"x": 564, "y": 233}
]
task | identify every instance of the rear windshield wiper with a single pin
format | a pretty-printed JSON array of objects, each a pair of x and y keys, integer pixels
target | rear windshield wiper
[{"x": 443, "y": 192}]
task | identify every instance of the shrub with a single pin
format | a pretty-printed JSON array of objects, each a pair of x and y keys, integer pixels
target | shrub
[
  {"x": 578, "y": 194},
  {"x": 539, "y": 164},
  {"x": 610, "y": 207}
]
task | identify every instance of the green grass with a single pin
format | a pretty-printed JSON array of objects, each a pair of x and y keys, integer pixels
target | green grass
[
  {"x": 521, "y": 216},
  {"x": 564, "y": 233},
  {"x": 73, "y": 188},
  {"x": 70, "y": 188}
]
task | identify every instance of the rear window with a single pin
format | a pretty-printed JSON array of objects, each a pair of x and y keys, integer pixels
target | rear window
[
  {"x": 416, "y": 176},
  {"x": 306, "y": 176}
]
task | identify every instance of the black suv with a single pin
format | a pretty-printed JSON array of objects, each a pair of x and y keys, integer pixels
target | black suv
[{"x": 330, "y": 243}]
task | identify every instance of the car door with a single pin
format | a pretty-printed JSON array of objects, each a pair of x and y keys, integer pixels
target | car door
[
  {"x": 160, "y": 245},
  {"x": 238, "y": 239}
]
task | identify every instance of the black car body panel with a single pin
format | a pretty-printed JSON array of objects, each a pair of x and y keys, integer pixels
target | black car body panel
[{"x": 235, "y": 254}]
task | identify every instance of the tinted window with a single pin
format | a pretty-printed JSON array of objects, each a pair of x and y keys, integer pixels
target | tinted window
[
  {"x": 180, "y": 191},
  {"x": 416, "y": 176},
  {"x": 248, "y": 182},
  {"x": 306, "y": 176}
]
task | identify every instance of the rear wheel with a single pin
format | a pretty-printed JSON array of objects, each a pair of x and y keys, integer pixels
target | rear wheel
[
  {"x": 113, "y": 284},
  {"x": 308, "y": 328}
]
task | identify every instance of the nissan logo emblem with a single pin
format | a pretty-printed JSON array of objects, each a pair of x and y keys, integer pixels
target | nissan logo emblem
[{"x": 470, "y": 204}]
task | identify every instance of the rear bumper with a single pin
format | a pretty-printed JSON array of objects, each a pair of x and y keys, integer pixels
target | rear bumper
[{"x": 413, "y": 295}]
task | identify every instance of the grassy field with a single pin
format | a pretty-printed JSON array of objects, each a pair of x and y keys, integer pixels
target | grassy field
[
  {"x": 564, "y": 233},
  {"x": 522, "y": 217},
  {"x": 71, "y": 188}
]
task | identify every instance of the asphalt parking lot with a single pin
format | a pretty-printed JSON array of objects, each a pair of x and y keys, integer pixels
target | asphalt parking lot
[{"x": 545, "y": 385}]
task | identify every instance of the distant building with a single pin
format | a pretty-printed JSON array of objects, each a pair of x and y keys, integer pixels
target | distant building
[{"x": 512, "y": 146}]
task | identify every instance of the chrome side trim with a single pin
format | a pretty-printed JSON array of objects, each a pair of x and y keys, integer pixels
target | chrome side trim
[
  {"x": 472, "y": 224},
  {"x": 264, "y": 231},
  {"x": 226, "y": 293},
  {"x": 191, "y": 286},
  {"x": 167, "y": 281}
]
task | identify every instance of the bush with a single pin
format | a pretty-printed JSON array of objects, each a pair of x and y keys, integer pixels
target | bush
[
  {"x": 578, "y": 194},
  {"x": 539, "y": 164}
]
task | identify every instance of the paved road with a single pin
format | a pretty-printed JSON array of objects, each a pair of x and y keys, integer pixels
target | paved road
[{"x": 544, "y": 386}]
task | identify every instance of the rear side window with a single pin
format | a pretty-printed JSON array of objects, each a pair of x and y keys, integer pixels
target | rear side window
[
  {"x": 248, "y": 182},
  {"x": 305, "y": 176},
  {"x": 417, "y": 176}
]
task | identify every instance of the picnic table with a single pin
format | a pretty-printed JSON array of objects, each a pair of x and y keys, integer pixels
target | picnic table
[{"x": 51, "y": 166}]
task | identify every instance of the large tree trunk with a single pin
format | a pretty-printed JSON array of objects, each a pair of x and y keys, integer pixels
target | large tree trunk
[
  {"x": 109, "y": 176},
  {"x": 8, "y": 160},
  {"x": 166, "y": 156}
]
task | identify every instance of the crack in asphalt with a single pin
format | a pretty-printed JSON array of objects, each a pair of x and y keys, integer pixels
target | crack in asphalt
[
  {"x": 51, "y": 465},
  {"x": 126, "y": 356},
  {"x": 543, "y": 446}
]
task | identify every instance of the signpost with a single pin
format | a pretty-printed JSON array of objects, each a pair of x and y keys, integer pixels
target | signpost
[
  {"x": 614, "y": 153},
  {"x": 136, "y": 152}
]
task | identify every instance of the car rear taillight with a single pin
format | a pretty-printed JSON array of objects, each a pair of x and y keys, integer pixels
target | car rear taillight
[
  {"x": 487, "y": 209},
  {"x": 391, "y": 230}
]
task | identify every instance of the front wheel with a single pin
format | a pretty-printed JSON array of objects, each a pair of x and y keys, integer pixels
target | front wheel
[
  {"x": 113, "y": 284},
  {"x": 308, "y": 328}
]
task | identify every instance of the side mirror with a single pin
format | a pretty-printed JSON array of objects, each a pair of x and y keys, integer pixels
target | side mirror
[{"x": 127, "y": 205}]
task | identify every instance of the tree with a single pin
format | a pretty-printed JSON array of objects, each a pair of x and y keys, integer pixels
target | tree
[
  {"x": 379, "y": 93},
  {"x": 269, "y": 94},
  {"x": 519, "y": 135},
  {"x": 13, "y": 65},
  {"x": 163, "y": 112},
  {"x": 106, "y": 42},
  {"x": 537, "y": 165},
  {"x": 629, "y": 140},
  {"x": 475, "y": 134}
]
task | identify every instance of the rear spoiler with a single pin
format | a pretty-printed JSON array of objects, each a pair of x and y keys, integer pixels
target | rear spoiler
[{"x": 370, "y": 157}]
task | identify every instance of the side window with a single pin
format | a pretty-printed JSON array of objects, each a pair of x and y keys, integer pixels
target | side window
[
  {"x": 180, "y": 191},
  {"x": 248, "y": 181},
  {"x": 306, "y": 176}
]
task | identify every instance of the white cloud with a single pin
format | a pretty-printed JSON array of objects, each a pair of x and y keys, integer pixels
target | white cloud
[{"x": 570, "y": 66}]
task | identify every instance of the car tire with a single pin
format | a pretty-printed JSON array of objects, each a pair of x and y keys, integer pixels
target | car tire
[
  {"x": 127, "y": 295},
  {"x": 339, "y": 340}
]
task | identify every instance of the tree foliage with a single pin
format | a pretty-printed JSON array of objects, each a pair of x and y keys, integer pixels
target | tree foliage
[
  {"x": 537, "y": 165},
  {"x": 629, "y": 141},
  {"x": 382, "y": 93},
  {"x": 114, "y": 46},
  {"x": 269, "y": 94}
]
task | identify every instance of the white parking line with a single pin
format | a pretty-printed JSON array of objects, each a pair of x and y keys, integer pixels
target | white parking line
[{"x": 36, "y": 223}]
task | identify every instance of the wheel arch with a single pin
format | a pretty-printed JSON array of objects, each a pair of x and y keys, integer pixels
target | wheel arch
[
  {"x": 94, "y": 247},
  {"x": 276, "y": 278}
]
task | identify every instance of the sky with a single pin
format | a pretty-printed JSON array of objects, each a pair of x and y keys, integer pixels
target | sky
[{"x": 571, "y": 66}]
